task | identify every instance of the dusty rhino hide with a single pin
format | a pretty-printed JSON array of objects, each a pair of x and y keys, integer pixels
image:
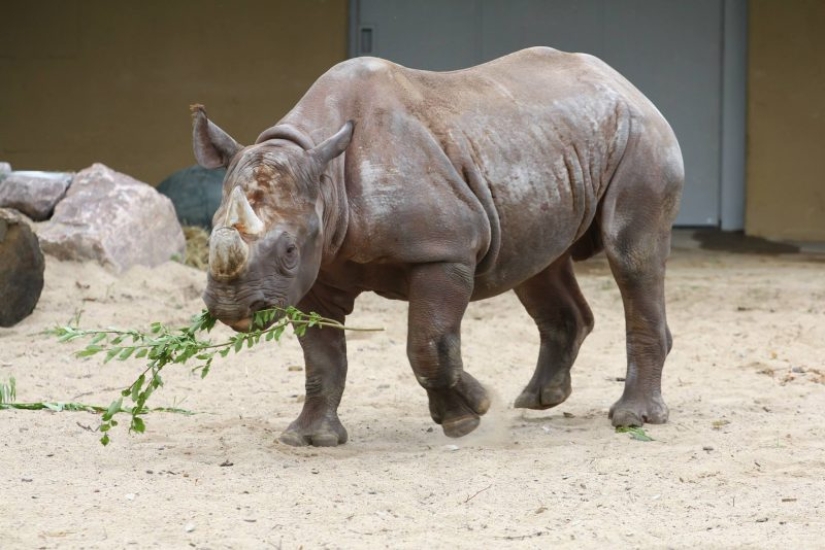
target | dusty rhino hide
[{"x": 442, "y": 188}]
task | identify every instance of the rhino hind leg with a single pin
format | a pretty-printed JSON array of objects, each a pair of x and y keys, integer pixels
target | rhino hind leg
[
  {"x": 555, "y": 302},
  {"x": 438, "y": 296},
  {"x": 636, "y": 229},
  {"x": 648, "y": 337}
]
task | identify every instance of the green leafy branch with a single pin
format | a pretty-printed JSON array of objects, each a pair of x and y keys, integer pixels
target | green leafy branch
[
  {"x": 8, "y": 396},
  {"x": 162, "y": 346}
]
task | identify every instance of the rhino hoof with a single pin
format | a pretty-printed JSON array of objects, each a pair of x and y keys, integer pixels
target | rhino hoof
[
  {"x": 549, "y": 396},
  {"x": 461, "y": 426},
  {"x": 637, "y": 413},
  {"x": 323, "y": 436}
]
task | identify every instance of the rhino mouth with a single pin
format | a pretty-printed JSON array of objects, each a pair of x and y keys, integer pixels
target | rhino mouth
[
  {"x": 251, "y": 319},
  {"x": 242, "y": 325},
  {"x": 255, "y": 321}
]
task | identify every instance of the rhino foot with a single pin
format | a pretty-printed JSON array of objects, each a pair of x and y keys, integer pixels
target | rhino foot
[
  {"x": 635, "y": 412},
  {"x": 553, "y": 393},
  {"x": 327, "y": 432},
  {"x": 458, "y": 409}
]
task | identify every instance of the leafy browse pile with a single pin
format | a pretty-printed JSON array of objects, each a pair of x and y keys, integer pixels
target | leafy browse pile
[{"x": 162, "y": 346}]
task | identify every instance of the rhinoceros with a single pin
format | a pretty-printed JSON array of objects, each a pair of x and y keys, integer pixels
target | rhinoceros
[{"x": 440, "y": 188}]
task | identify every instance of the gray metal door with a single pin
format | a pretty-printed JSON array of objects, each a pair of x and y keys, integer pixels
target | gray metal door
[{"x": 670, "y": 49}]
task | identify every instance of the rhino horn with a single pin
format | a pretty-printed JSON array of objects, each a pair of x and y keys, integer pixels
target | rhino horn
[
  {"x": 228, "y": 252},
  {"x": 241, "y": 216}
]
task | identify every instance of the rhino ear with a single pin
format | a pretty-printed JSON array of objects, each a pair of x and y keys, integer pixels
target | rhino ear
[
  {"x": 333, "y": 146},
  {"x": 213, "y": 147}
]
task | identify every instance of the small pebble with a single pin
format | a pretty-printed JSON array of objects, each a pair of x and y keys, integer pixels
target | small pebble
[
  {"x": 451, "y": 447},
  {"x": 189, "y": 527},
  {"x": 130, "y": 496}
]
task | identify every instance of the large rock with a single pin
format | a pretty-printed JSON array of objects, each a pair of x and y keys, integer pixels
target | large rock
[
  {"x": 196, "y": 193},
  {"x": 114, "y": 219},
  {"x": 21, "y": 268},
  {"x": 34, "y": 193}
]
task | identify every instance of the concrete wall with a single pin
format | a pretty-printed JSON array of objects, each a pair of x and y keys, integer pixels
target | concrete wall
[
  {"x": 786, "y": 120},
  {"x": 95, "y": 80}
]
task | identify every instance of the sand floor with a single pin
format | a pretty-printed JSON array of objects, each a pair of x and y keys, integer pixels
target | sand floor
[{"x": 740, "y": 464}]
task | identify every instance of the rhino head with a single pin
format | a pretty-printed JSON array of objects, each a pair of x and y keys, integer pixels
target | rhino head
[{"x": 267, "y": 240}]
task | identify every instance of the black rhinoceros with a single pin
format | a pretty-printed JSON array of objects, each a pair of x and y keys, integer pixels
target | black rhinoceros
[{"x": 442, "y": 188}]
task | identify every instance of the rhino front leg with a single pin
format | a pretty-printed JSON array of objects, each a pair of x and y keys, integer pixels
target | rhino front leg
[
  {"x": 325, "y": 357},
  {"x": 438, "y": 295}
]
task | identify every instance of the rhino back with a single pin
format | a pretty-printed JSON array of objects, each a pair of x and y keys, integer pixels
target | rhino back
[{"x": 469, "y": 155}]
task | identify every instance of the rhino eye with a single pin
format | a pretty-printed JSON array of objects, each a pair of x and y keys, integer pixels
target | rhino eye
[{"x": 290, "y": 257}]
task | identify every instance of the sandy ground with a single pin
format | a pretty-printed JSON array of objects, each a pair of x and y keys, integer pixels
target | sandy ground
[{"x": 741, "y": 463}]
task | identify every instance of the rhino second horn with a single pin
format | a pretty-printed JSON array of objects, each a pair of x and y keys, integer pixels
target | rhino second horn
[
  {"x": 241, "y": 216},
  {"x": 228, "y": 253}
]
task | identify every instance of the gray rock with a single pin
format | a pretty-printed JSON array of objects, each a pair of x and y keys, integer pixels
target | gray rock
[
  {"x": 34, "y": 193},
  {"x": 21, "y": 268},
  {"x": 114, "y": 219},
  {"x": 5, "y": 170}
]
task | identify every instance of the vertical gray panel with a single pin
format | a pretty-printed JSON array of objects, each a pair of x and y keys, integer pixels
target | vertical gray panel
[
  {"x": 510, "y": 25},
  {"x": 424, "y": 34},
  {"x": 734, "y": 115},
  {"x": 671, "y": 50}
]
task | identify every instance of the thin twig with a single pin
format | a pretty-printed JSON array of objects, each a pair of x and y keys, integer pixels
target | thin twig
[{"x": 474, "y": 495}]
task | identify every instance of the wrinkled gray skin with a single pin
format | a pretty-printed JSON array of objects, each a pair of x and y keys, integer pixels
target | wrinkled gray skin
[{"x": 442, "y": 188}]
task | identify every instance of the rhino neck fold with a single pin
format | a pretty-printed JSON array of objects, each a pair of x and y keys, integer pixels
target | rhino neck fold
[
  {"x": 287, "y": 132},
  {"x": 335, "y": 208}
]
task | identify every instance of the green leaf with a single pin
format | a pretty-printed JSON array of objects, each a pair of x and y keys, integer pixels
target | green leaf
[
  {"x": 113, "y": 409},
  {"x": 100, "y": 336},
  {"x": 125, "y": 354},
  {"x": 137, "y": 425},
  {"x": 137, "y": 386},
  {"x": 111, "y": 354},
  {"x": 104, "y": 440},
  {"x": 89, "y": 351},
  {"x": 238, "y": 344},
  {"x": 141, "y": 353},
  {"x": 635, "y": 433}
]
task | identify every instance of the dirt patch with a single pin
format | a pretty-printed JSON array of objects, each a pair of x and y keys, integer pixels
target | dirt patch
[{"x": 739, "y": 465}]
